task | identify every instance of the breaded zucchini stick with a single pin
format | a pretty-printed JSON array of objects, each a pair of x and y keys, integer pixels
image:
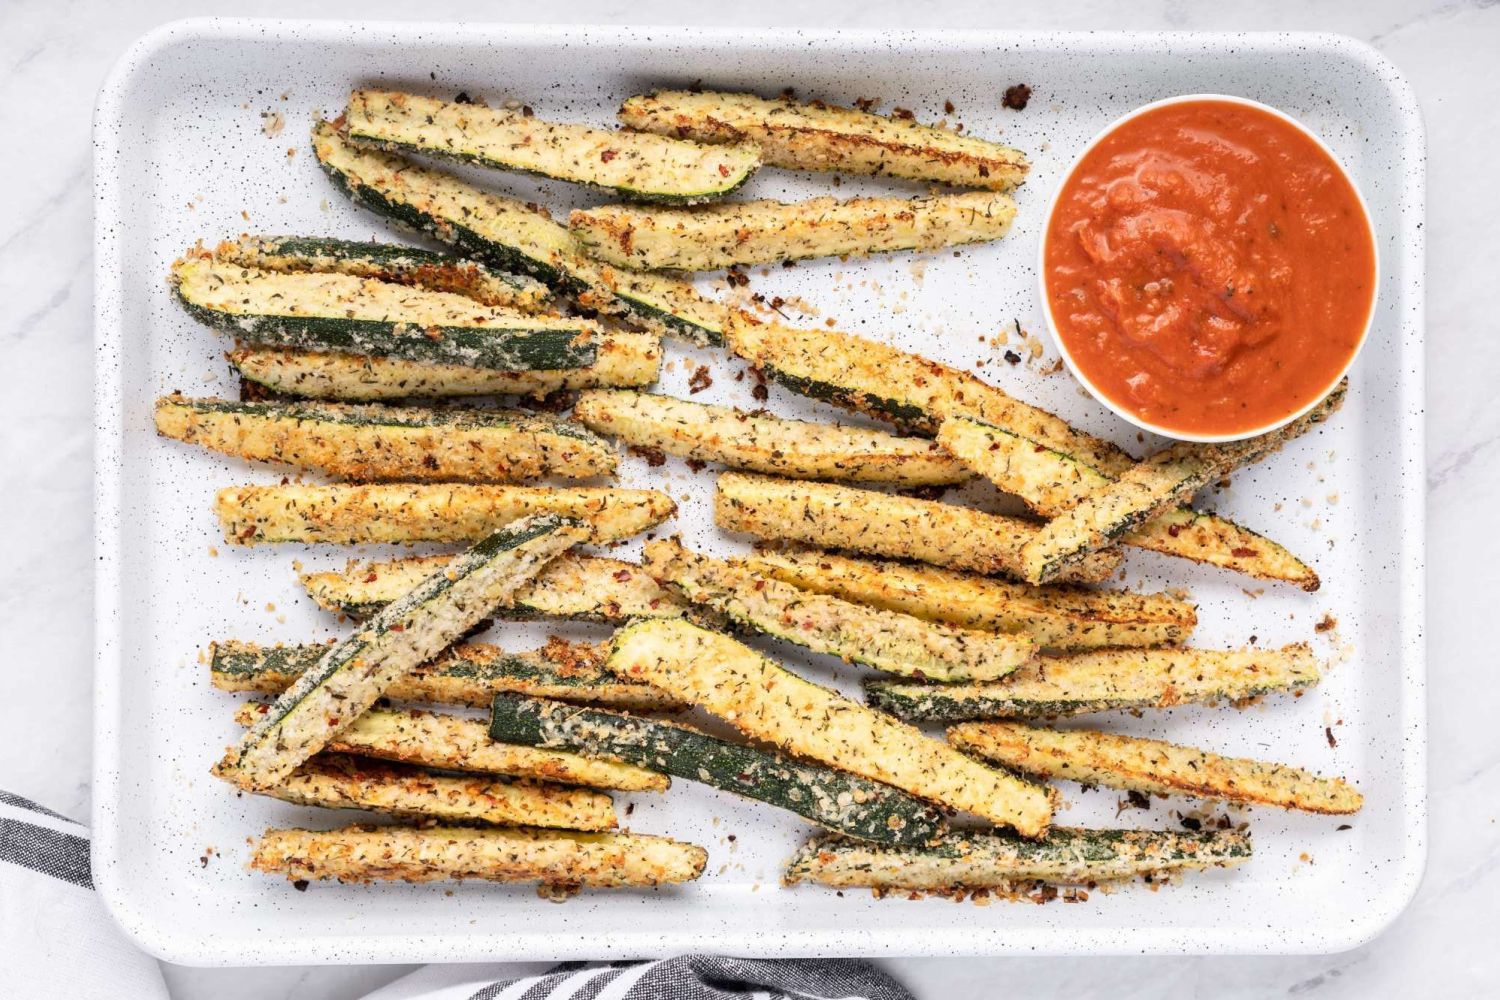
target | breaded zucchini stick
[
  {"x": 818, "y": 136},
  {"x": 884, "y": 640},
  {"x": 842, "y": 517},
  {"x": 457, "y": 743},
  {"x": 758, "y": 442},
  {"x": 768, "y": 702},
  {"x": 434, "y": 854},
  {"x": 765, "y": 232},
  {"x": 623, "y": 359},
  {"x": 1080, "y": 683},
  {"x": 365, "y": 443},
  {"x": 990, "y": 860},
  {"x": 470, "y": 674},
  {"x": 1152, "y": 766},
  {"x": 336, "y": 781},
  {"x": 1055, "y": 618},
  {"x": 446, "y": 512},
  {"x": 574, "y": 587}
]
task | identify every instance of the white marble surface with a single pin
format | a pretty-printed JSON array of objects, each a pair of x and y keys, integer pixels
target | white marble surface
[{"x": 55, "y": 54}]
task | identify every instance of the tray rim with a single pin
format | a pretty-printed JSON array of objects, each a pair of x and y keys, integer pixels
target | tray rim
[{"x": 166, "y": 943}]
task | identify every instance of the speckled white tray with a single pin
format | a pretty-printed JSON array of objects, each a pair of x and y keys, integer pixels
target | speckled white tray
[{"x": 182, "y": 150}]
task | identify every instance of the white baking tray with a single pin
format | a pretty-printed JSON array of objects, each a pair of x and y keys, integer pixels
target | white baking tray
[{"x": 182, "y": 150}]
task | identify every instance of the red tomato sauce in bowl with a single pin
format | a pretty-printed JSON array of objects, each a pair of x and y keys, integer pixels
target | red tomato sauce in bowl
[{"x": 1209, "y": 269}]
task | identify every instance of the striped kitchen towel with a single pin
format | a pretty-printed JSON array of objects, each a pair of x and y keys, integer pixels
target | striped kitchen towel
[
  {"x": 689, "y": 977},
  {"x": 57, "y": 940}
]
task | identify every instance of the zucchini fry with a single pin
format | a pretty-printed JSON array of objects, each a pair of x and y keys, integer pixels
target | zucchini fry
[
  {"x": 779, "y": 446},
  {"x": 1055, "y": 618},
  {"x": 1152, "y": 766},
  {"x": 906, "y": 389},
  {"x": 512, "y": 236},
  {"x": 384, "y": 442},
  {"x": 819, "y": 136},
  {"x": 350, "y": 315},
  {"x": 833, "y": 799},
  {"x": 354, "y": 673},
  {"x": 765, "y": 232},
  {"x": 624, "y": 359},
  {"x": 447, "y": 512},
  {"x": 636, "y": 165},
  {"x": 335, "y": 781},
  {"x": 389, "y": 262},
  {"x": 434, "y": 854},
  {"x": 770, "y": 703},
  {"x": 575, "y": 587},
  {"x": 841, "y": 517},
  {"x": 1051, "y": 482},
  {"x": 1081, "y": 683},
  {"x": 457, "y": 743},
  {"x": 998, "y": 860},
  {"x": 1166, "y": 480},
  {"x": 470, "y": 674},
  {"x": 890, "y": 641}
]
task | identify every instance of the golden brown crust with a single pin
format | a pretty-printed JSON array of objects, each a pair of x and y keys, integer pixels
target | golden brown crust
[
  {"x": 1057, "y": 618},
  {"x": 840, "y": 517},
  {"x": 769, "y": 703},
  {"x": 368, "y": 443},
  {"x": 553, "y": 857},
  {"x": 819, "y": 136},
  {"x": 337, "y": 781},
  {"x": 767, "y": 444},
  {"x": 1153, "y": 766},
  {"x": 448, "y": 512},
  {"x": 457, "y": 743}
]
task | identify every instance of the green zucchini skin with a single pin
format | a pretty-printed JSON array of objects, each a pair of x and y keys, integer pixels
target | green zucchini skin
[
  {"x": 988, "y": 859},
  {"x": 354, "y": 673},
  {"x": 626, "y": 358},
  {"x": 342, "y": 164},
  {"x": 657, "y": 303},
  {"x": 833, "y": 799},
  {"x": 470, "y": 674},
  {"x": 323, "y": 320},
  {"x": 392, "y": 262},
  {"x": 516, "y": 238},
  {"x": 517, "y": 350},
  {"x": 889, "y": 641},
  {"x": 1105, "y": 680}
]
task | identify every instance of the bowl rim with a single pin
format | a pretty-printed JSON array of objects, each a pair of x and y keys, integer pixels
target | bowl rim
[{"x": 1061, "y": 345}]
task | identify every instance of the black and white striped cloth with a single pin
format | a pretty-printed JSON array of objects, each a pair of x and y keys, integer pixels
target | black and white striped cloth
[
  {"x": 56, "y": 940},
  {"x": 688, "y": 977}
]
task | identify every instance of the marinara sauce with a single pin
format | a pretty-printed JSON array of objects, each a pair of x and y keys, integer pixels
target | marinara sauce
[{"x": 1209, "y": 268}]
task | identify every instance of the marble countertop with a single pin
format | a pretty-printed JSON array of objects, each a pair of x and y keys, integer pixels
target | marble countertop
[{"x": 54, "y": 54}]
